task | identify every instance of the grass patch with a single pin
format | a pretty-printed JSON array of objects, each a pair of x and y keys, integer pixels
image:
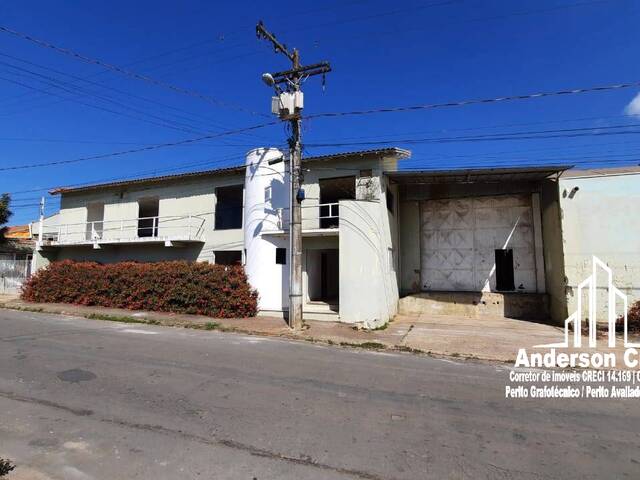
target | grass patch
[
  {"x": 120, "y": 318},
  {"x": 211, "y": 326},
  {"x": 381, "y": 327},
  {"x": 404, "y": 348},
  {"x": 25, "y": 309},
  {"x": 365, "y": 345}
]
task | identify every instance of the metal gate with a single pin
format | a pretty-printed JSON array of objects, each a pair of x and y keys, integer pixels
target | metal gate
[
  {"x": 460, "y": 238},
  {"x": 14, "y": 270}
]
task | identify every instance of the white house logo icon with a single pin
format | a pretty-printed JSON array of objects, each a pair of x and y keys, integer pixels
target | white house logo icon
[{"x": 575, "y": 319}]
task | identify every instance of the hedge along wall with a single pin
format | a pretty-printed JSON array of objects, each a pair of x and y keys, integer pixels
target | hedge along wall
[{"x": 180, "y": 287}]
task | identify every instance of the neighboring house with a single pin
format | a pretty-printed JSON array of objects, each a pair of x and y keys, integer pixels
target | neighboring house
[
  {"x": 16, "y": 252},
  {"x": 472, "y": 242}
]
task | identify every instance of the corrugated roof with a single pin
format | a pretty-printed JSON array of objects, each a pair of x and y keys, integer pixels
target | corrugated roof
[
  {"x": 477, "y": 175},
  {"x": 401, "y": 153},
  {"x": 601, "y": 172}
]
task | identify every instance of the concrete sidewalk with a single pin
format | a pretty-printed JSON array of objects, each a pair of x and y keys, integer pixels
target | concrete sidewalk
[{"x": 490, "y": 338}]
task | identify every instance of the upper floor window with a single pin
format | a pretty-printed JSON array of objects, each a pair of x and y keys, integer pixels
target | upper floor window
[
  {"x": 148, "y": 210},
  {"x": 228, "y": 207},
  {"x": 332, "y": 190}
]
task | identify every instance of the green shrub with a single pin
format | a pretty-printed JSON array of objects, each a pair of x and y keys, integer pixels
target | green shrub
[{"x": 180, "y": 287}]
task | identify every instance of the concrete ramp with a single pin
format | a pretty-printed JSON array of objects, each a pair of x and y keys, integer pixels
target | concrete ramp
[{"x": 524, "y": 306}]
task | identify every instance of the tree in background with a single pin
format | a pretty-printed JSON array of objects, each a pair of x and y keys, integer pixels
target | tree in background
[{"x": 5, "y": 213}]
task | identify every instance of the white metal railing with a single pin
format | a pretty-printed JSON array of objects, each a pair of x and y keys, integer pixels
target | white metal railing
[
  {"x": 184, "y": 227},
  {"x": 328, "y": 216}
]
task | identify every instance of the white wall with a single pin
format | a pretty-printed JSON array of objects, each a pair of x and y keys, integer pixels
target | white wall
[
  {"x": 601, "y": 219},
  {"x": 368, "y": 286}
]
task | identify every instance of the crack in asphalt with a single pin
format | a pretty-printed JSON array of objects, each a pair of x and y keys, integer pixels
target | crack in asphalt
[
  {"x": 306, "y": 461},
  {"x": 81, "y": 412}
]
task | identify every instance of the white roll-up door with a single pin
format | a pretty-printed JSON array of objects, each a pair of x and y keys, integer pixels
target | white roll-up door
[{"x": 460, "y": 237}]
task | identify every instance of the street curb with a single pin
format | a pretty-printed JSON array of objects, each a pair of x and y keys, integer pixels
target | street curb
[{"x": 372, "y": 346}]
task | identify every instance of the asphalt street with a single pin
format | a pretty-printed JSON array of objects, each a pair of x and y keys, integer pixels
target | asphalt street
[{"x": 89, "y": 399}]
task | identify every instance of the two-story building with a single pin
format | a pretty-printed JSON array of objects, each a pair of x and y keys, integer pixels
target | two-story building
[
  {"x": 240, "y": 215},
  {"x": 472, "y": 242}
]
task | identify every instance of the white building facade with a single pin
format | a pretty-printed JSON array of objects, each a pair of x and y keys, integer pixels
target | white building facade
[{"x": 376, "y": 239}]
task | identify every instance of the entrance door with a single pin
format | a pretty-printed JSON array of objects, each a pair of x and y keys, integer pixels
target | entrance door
[
  {"x": 465, "y": 240},
  {"x": 323, "y": 277}
]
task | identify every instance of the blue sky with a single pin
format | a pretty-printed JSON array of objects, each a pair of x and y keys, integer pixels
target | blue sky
[{"x": 383, "y": 54}]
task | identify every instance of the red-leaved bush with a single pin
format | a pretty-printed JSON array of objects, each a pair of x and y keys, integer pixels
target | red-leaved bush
[
  {"x": 180, "y": 287},
  {"x": 633, "y": 319}
]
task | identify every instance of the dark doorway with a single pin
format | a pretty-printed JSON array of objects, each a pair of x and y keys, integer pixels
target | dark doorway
[
  {"x": 148, "y": 209},
  {"x": 332, "y": 190},
  {"x": 504, "y": 270},
  {"x": 323, "y": 273}
]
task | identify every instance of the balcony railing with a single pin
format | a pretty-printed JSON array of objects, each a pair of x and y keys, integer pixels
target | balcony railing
[
  {"x": 142, "y": 229},
  {"x": 328, "y": 216}
]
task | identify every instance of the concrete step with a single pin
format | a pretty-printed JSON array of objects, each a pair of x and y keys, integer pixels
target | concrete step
[
  {"x": 320, "y": 311},
  {"x": 526, "y": 306}
]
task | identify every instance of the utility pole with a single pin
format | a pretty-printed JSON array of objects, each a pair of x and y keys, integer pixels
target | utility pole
[
  {"x": 41, "y": 223},
  {"x": 288, "y": 104}
]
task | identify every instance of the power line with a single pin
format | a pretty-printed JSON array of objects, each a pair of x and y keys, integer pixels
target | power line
[
  {"x": 91, "y": 105},
  {"x": 462, "y": 103},
  {"x": 529, "y": 150},
  {"x": 142, "y": 149},
  {"x": 126, "y": 72},
  {"x": 90, "y": 82},
  {"x": 109, "y": 142},
  {"x": 487, "y": 127},
  {"x": 545, "y": 134},
  {"x": 633, "y": 161},
  {"x": 80, "y": 92},
  {"x": 193, "y": 114}
]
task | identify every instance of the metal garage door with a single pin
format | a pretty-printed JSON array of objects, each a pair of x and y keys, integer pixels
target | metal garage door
[{"x": 460, "y": 236}]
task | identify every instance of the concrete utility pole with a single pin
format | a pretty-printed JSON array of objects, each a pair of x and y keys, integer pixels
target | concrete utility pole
[
  {"x": 288, "y": 105},
  {"x": 41, "y": 223}
]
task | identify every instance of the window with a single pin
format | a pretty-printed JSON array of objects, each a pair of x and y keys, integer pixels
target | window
[
  {"x": 281, "y": 256},
  {"x": 332, "y": 190},
  {"x": 390, "y": 200},
  {"x": 228, "y": 257},
  {"x": 504, "y": 270},
  {"x": 228, "y": 208}
]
